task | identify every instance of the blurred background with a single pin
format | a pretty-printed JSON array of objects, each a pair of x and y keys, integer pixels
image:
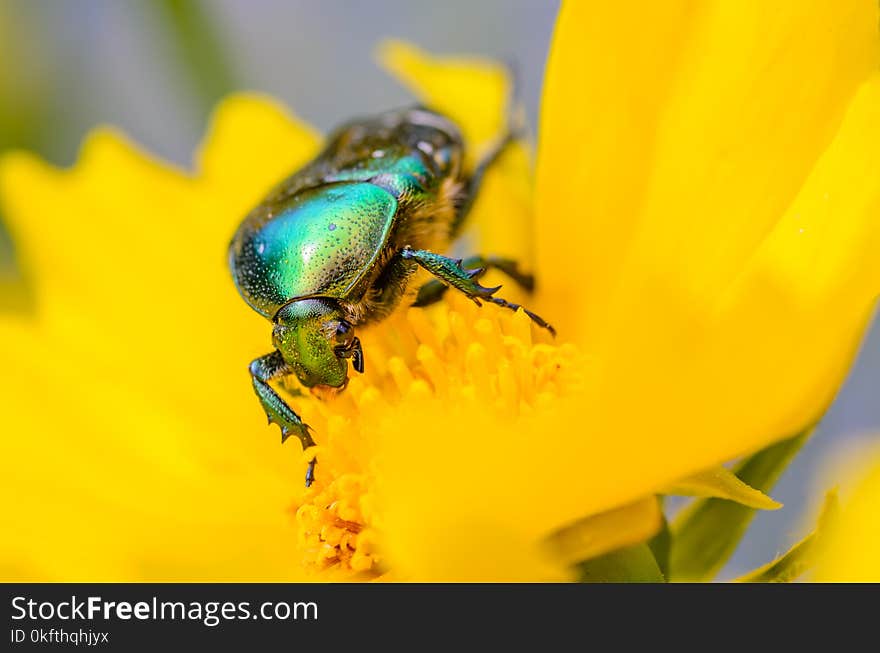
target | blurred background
[{"x": 155, "y": 69}]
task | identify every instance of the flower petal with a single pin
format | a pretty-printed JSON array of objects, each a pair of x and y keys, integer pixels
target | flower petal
[
  {"x": 712, "y": 323},
  {"x": 720, "y": 483},
  {"x": 673, "y": 137},
  {"x": 251, "y": 144},
  {"x": 131, "y": 254},
  {"x": 129, "y": 404},
  {"x": 102, "y": 485},
  {"x": 598, "y": 534},
  {"x": 472, "y": 92},
  {"x": 458, "y": 478}
]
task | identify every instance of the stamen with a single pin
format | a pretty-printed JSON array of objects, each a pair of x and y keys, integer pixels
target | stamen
[{"x": 452, "y": 351}]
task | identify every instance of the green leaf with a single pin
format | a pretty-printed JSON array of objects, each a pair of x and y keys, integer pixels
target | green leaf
[
  {"x": 722, "y": 483},
  {"x": 800, "y": 557},
  {"x": 660, "y": 543},
  {"x": 632, "y": 564},
  {"x": 706, "y": 533}
]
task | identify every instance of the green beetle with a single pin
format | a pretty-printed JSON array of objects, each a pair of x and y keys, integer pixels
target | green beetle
[{"x": 333, "y": 247}]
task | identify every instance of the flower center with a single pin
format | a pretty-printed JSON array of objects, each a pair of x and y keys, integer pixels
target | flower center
[{"x": 479, "y": 359}]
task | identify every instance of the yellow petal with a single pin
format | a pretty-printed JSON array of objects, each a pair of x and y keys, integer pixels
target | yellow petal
[
  {"x": 252, "y": 143},
  {"x": 101, "y": 485},
  {"x": 491, "y": 453},
  {"x": 721, "y": 483},
  {"x": 433, "y": 552},
  {"x": 128, "y": 412},
  {"x": 609, "y": 73},
  {"x": 607, "y": 531},
  {"x": 674, "y": 137},
  {"x": 144, "y": 260},
  {"x": 848, "y": 551},
  {"x": 671, "y": 222},
  {"x": 472, "y": 92}
]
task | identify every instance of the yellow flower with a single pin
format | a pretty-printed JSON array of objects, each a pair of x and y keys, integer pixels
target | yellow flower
[
  {"x": 130, "y": 419},
  {"x": 706, "y": 203}
]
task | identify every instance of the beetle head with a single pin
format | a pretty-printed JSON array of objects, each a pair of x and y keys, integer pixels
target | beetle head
[{"x": 315, "y": 340}]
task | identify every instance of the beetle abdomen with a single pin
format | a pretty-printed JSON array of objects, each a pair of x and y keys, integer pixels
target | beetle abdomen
[{"x": 319, "y": 242}]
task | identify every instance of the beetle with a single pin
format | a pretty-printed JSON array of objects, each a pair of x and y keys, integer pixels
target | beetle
[{"x": 334, "y": 246}]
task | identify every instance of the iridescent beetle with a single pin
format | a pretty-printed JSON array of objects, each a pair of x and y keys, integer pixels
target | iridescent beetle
[{"x": 333, "y": 247}]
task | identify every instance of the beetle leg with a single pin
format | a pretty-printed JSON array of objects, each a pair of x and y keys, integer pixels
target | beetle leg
[
  {"x": 450, "y": 271},
  {"x": 514, "y": 130},
  {"x": 433, "y": 290},
  {"x": 473, "y": 183},
  {"x": 268, "y": 368}
]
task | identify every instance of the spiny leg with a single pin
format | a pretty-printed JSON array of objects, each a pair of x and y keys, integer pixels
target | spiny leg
[
  {"x": 514, "y": 130},
  {"x": 433, "y": 290},
  {"x": 475, "y": 181},
  {"x": 268, "y": 368},
  {"x": 450, "y": 271}
]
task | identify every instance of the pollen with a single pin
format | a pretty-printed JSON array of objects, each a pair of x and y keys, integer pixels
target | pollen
[{"x": 458, "y": 354}]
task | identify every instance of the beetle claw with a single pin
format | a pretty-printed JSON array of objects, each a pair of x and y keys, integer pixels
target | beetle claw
[
  {"x": 300, "y": 430},
  {"x": 485, "y": 292}
]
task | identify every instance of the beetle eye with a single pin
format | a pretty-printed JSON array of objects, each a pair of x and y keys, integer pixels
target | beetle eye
[{"x": 343, "y": 330}]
